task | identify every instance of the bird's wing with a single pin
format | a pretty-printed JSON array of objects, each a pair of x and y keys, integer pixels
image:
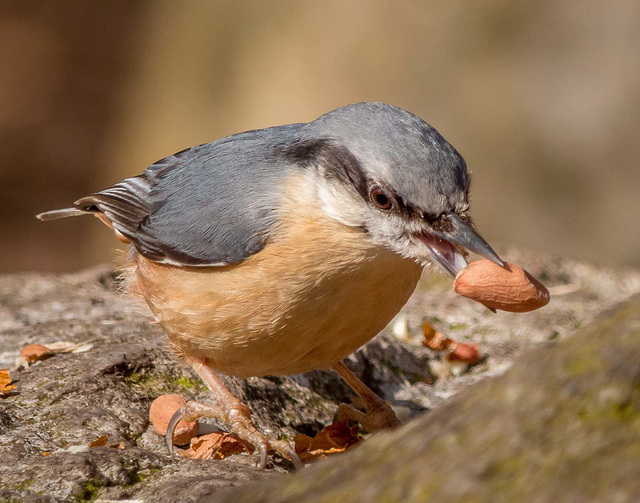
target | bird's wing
[{"x": 209, "y": 205}]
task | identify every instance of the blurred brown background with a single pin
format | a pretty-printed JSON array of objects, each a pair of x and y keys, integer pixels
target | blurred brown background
[{"x": 541, "y": 97}]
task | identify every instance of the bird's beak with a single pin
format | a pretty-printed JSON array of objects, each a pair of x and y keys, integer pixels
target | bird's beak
[{"x": 440, "y": 245}]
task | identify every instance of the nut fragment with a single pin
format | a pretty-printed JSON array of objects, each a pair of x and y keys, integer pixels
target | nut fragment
[
  {"x": 509, "y": 289},
  {"x": 160, "y": 413},
  {"x": 34, "y": 352},
  {"x": 5, "y": 383},
  {"x": 434, "y": 339},
  {"x": 467, "y": 353}
]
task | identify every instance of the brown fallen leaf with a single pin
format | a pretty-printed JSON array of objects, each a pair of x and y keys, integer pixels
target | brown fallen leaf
[
  {"x": 217, "y": 445},
  {"x": 457, "y": 358},
  {"x": 5, "y": 383},
  {"x": 100, "y": 441},
  {"x": 45, "y": 453},
  {"x": 428, "y": 330},
  {"x": 434, "y": 339},
  {"x": 62, "y": 346},
  {"x": 69, "y": 347},
  {"x": 332, "y": 439},
  {"x": 119, "y": 445}
]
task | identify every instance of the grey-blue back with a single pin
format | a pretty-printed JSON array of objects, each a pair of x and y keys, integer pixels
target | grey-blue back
[{"x": 212, "y": 204}]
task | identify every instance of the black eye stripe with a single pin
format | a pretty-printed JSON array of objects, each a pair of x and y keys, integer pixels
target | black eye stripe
[
  {"x": 336, "y": 159},
  {"x": 429, "y": 217}
]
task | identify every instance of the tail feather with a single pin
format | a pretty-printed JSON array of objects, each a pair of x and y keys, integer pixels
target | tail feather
[{"x": 63, "y": 213}]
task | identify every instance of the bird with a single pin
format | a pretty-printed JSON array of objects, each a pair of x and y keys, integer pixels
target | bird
[{"x": 283, "y": 250}]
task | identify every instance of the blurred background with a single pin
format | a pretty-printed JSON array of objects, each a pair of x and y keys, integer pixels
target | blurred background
[{"x": 541, "y": 97}]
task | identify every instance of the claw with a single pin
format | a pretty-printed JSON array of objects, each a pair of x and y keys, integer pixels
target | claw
[
  {"x": 175, "y": 419},
  {"x": 231, "y": 411},
  {"x": 295, "y": 459},
  {"x": 262, "y": 451}
]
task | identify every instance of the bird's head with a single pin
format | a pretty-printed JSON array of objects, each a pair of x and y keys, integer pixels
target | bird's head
[{"x": 390, "y": 173}]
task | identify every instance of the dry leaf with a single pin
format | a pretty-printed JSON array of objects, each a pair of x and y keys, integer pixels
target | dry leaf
[
  {"x": 69, "y": 347},
  {"x": 217, "y": 445},
  {"x": 82, "y": 348},
  {"x": 100, "y": 441},
  {"x": 428, "y": 330},
  {"x": 119, "y": 445},
  {"x": 5, "y": 383},
  {"x": 62, "y": 346},
  {"x": 335, "y": 438},
  {"x": 457, "y": 353},
  {"x": 45, "y": 453},
  {"x": 434, "y": 339}
]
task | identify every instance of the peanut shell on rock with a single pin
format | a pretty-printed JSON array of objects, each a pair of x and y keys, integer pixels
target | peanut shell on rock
[
  {"x": 160, "y": 413},
  {"x": 31, "y": 353}
]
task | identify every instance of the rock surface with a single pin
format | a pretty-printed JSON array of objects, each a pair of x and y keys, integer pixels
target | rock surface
[
  {"x": 63, "y": 403},
  {"x": 563, "y": 424}
]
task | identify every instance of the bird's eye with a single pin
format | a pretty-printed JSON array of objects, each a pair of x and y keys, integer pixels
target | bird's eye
[{"x": 380, "y": 198}]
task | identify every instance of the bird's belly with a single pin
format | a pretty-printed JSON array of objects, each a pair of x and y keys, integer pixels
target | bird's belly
[
  {"x": 284, "y": 325},
  {"x": 321, "y": 327},
  {"x": 297, "y": 305}
]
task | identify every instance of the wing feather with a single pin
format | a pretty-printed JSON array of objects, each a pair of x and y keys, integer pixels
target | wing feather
[{"x": 210, "y": 205}]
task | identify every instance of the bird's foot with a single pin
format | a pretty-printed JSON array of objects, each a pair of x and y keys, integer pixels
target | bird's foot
[
  {"x": 237, "y": 416},
  {"x": 379, "y": 416}
]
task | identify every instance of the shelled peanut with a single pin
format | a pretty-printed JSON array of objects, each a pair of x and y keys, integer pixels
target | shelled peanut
[{"x": 509, "y": 288}]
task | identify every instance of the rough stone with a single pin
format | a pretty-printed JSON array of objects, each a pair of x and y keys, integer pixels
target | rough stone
[
  {"x": 563, "y": 424},
  {"x": 63, "y": 403}
]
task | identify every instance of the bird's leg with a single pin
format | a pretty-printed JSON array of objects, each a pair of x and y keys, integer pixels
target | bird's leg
[
  {"x": 379, "y": 414},
  {"x": 231, "y": 411}
]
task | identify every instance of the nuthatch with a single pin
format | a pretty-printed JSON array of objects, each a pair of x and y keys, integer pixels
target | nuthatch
[{"x": 283, "y": 250}]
